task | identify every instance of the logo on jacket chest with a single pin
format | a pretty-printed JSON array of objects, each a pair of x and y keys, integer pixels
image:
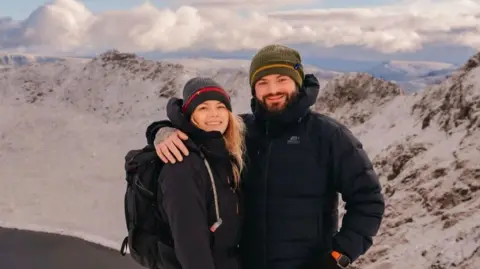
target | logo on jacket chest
[{"x": 294, "y": 139}]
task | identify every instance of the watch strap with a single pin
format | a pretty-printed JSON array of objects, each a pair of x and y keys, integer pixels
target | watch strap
[{"x": 342, "y": 260}]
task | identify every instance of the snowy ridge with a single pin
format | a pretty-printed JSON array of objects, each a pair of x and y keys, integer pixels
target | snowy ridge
[
  {"x": 353, "y": 98},
  {"x": 113, "y": 84},
  {"x": 127, "y": 82},
  {"x": 68, "y": 124},
  {"x": 454, "y": 104}
]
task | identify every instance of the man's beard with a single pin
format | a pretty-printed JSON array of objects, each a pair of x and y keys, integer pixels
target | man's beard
[{"x": 278, "y": 108}]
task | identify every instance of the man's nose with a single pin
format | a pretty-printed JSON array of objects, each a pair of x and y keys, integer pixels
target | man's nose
[{"x": 272, "y": 88}]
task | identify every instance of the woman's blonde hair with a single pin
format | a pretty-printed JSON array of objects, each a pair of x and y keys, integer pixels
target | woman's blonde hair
[{"x": 235, "y": 142}]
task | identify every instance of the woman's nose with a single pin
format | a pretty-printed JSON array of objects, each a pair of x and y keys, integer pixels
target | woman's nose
[{"x": 213, "y": 112}]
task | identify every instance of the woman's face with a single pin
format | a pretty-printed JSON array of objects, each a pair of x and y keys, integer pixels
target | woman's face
[{"x": 210, "y": 116}]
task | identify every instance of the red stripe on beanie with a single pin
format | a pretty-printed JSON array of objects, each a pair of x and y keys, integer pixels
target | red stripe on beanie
[{"x": 202, "y": 90}]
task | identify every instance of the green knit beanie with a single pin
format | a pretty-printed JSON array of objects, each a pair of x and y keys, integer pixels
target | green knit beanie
[{"x": 276, "y": 59}]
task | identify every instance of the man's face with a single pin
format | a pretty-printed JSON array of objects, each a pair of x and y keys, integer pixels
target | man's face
[{"x": 275, "y": 91}]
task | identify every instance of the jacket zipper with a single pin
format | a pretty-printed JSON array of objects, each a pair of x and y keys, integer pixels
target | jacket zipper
[{"x": 267, "y": 165}]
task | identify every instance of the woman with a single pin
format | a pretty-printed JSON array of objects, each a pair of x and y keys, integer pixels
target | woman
[{"x": 201, "y": 194}]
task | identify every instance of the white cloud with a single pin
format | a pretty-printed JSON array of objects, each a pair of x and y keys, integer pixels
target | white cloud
[
  {"x": 271, "y": 4},
  {"x": 404, "y": 27},
  {"x": 66, "y": 25}
]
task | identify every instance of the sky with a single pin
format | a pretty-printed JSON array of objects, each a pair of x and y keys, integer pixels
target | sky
[
  {"x": 430, "y": 30},
  {"x": 20, "y": 9}
]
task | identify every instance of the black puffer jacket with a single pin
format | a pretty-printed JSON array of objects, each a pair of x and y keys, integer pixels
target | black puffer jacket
[
  {"x": 189, "y": 203},
  {"x": 298, "y": 162}
]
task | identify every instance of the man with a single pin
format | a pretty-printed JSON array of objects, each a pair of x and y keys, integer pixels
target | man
[{"x": 298, "y": 161}]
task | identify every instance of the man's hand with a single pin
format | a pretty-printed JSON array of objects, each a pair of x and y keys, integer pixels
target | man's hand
[{"x": 168, "y": 149}]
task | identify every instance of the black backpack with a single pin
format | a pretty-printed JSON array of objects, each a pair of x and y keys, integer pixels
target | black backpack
[
  {"x": 145, "y": 220},
  {"x": 145, "y": 223}
]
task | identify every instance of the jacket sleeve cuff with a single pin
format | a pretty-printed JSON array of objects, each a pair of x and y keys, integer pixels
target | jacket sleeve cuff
[
  {"x": 349, "y": 243},
  {"x": 153, "y": 128}
]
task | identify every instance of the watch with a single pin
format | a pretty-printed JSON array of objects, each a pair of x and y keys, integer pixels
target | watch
[{"x": 342, "y": 260}]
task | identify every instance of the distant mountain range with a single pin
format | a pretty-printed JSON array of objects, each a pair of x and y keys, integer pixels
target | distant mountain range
[
  {"x": 412, "y": 75},
  {"x": 22, "y": 59},
  {"x": 409, "y": 75},
  {"x": 405, "y": 70}
]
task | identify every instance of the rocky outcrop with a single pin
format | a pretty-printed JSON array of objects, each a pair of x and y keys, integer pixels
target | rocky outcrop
[
  {"x": 354, "y": 98},
  {"x": 395, "y": 158},
  {"x": 134, "y": 67},
  {"x": 454, "y": 103}
]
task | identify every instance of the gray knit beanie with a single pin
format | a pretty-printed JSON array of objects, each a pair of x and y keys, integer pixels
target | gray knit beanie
[{"x": 200, "y": 89}]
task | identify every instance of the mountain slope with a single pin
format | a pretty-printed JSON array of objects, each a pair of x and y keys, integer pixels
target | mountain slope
[
  {"x": 353, "y": 98},
  {"x": 66, "y": 126},
  {"x": 426, "y": 148}
]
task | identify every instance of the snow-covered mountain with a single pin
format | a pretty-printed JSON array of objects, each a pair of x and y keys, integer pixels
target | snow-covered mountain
[
  {"x": 412, "y": 75},
  {"x": 19, "y": 59},
  {"x": 401, "y": 70},
  {"x": 355, "y": 97},
  {"x": 409, "y": 75},
  {"x": 66, "y": 126},
  {"x": 426, "y": 149}
]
